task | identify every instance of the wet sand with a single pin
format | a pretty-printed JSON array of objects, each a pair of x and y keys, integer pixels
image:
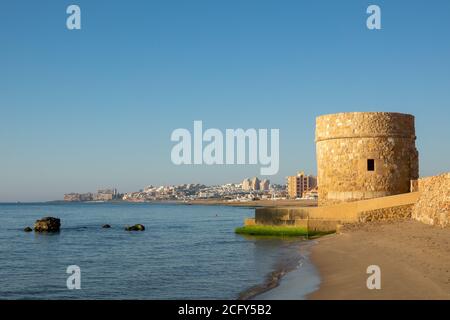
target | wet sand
[
  {"x": 297, "y": 283},
  {"x": 414, "y": 259},
  {"x": 292, "y": 254}
]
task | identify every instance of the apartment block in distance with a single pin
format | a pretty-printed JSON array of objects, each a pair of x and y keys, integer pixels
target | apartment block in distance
[{"x": 298, "y": 185}]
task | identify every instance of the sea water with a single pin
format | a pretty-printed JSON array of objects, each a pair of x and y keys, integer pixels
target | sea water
[{"x": 186, "y": 252}]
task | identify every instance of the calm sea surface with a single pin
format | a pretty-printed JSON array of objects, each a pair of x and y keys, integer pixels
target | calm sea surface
[{"x": 186, "y": 252}]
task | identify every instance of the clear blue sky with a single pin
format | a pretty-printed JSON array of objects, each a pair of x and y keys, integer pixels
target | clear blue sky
[{"x": 95, "y": 108}]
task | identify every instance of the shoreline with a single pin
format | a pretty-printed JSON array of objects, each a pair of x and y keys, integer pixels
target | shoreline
[
  {"x": 294, "y": 264},
  {"x": 215, "y": 202},
  {"x": 255, "y": 203},
  {"x": 413, "y": 257},
  {"x": 296, "y": 283}
]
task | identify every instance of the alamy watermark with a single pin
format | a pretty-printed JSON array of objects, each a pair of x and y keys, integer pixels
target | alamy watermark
[
  {"x": 374, "y": 280},
  {"x": 374, "y": 20},
  {"x": 236, "y": 146},
  {"x": 74, "y": 280},
  {"x": 73, "y": 21}
]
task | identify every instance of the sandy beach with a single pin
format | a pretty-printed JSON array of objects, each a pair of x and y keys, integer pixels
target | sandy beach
[{"x": 414, "y": 259}]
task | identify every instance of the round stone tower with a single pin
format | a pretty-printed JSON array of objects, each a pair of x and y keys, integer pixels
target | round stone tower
[{"x": 364, "y": 155}]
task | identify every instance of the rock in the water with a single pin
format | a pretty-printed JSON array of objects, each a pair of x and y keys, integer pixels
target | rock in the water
[
  {"x": 106, "y": 226},
  {"x": 48, "y": 224},
  {"x": 27, "y": 229},
  {"x": 136, "y": 227}
]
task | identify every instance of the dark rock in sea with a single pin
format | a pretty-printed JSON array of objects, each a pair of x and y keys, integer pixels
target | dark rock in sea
[
  {"x": 47, "y": 224},
  {"x": 27, "y": 229},
  {"x": 106, "y": 226},
  {"x": 136, "y": 227}
]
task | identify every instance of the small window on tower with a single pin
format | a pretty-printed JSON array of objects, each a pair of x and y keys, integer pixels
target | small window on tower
[{"x": 370, "y": 165}]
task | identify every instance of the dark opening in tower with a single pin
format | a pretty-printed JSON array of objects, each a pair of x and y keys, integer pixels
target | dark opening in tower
[{"x": 370, "y": 165}]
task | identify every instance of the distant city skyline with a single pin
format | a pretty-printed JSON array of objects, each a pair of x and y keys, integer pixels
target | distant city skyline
[{"x": 93, "y": 108}]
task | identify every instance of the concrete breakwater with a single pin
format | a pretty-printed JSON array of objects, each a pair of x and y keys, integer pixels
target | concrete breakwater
[
  {"x": 428, "y": 203},
  {"x": 328, "y": 218}
]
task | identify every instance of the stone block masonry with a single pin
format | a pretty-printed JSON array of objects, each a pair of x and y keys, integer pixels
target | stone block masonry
[
  {"x": 365, "y": 155},
  {"x": 387, "y": 214},
  {"x": 433, "y": 206},
  {"x": 368, "y": 168},
  {"x": 429, "y": 204}
]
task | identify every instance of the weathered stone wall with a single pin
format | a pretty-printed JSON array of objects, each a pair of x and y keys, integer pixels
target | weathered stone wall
[
  {"x": 433, "y": 206},
  {"x": 387, "y": 214},
  {"x": 346, "y": 141},
  {"x": 395, "y": 207},
  {"x": 280, "y": 216}
]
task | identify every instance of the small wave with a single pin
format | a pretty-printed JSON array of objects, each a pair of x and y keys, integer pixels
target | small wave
[{"x": 294, "y": 259}]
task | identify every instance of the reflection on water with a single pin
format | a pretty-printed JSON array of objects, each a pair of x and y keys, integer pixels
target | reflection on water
[{"x": 186, "y": 252}]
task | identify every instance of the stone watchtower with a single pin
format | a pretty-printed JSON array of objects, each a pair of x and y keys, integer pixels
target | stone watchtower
[{"x": 364, "y": 155}]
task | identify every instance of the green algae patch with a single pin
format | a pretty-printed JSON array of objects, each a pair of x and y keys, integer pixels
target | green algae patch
[{"x": 278, "y": 231}]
